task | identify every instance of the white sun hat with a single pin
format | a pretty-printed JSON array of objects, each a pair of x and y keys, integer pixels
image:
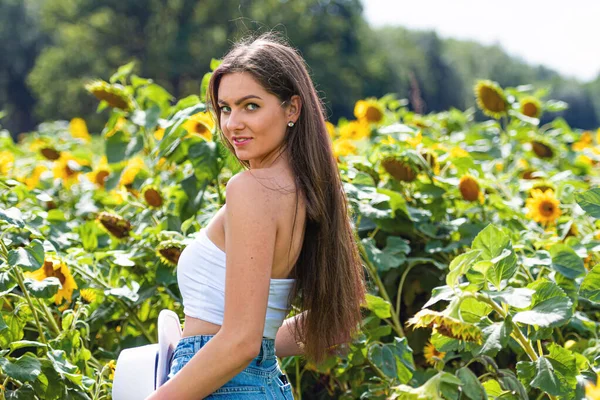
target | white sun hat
[{"x": 143, "y": 369}]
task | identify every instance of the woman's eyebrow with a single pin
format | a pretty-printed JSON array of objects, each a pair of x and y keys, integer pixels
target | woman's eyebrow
[{"x": 237, "y": 103}]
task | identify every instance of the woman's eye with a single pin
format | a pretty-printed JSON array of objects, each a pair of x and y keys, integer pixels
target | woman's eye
[
  {"x": 225, "y": 109},
  {"x": 252, "y": 106}
]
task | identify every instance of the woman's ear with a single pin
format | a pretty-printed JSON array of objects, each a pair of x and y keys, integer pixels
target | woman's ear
[{"x": 295, "y": 105}]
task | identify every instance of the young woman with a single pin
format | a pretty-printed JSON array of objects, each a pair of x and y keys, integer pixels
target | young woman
[{"x": 283, "y": 238}]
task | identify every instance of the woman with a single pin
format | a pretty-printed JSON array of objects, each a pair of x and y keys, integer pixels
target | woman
[{"x": 285, "y": 230}]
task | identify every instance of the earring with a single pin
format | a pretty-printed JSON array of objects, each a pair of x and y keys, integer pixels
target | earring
[{"x": 290, "y": 124}]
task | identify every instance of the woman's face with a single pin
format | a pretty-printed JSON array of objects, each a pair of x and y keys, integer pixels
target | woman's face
[{"x": 248, "y": 111}]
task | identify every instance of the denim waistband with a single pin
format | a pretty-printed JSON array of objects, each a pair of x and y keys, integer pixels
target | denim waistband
[{"x": 267, "y": 348}]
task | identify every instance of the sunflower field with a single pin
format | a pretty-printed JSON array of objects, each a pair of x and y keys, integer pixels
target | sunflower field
[{"x": 480, "y": 241}]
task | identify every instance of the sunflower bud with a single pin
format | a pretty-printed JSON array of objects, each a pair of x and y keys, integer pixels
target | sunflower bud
[
  {"x": 469, "y": 188},
  {"x": 169, "y": 252},
  {"x": 399, "y": 169},
  {"x": 114, "y": 94},
  {"x": 114, "y": 224},
  {"x": 152, "y": 196},
  {"x": 542, "y": 150},
  {"x": 50, "y": 153}
]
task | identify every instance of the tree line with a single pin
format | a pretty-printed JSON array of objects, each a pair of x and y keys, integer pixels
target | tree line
[{"x": 50, "y": 48}]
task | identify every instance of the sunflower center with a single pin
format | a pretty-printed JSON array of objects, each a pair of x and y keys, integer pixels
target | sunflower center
[
  {"x": 492, "y": 100},
  {"x": 373, "y": 114},
  {"x": 546, "y": 208},
  {"x": 51, "y": 272},
  {"x": 200, "y": 128},
  {"x": 101, "y": 177}
]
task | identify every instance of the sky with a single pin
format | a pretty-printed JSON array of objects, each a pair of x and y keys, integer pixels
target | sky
[{"x": 563, "y": 35}]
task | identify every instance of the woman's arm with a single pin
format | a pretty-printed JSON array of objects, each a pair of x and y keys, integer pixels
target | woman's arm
[
  {"x": 197, "y": 380},
  {"x": 285, "y": 344}
]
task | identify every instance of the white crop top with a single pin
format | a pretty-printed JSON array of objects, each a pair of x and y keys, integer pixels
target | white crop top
[{"x": 201, "y": 280}]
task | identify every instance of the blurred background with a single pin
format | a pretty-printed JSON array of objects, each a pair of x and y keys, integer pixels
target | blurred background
[{"x": 428, "y": 52}]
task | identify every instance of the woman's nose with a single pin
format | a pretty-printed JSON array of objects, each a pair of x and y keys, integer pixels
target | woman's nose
[{"x": 234, "y": 122}]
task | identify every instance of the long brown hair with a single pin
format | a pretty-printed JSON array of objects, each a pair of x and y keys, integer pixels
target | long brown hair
[{"x": 330, "y": 283}]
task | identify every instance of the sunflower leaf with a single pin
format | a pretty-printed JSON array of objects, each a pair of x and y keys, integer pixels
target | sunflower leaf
[
  {"x": 471, "y": 386},
  {"x": 550, "y": 307},
  {"x": 379, "y": 306},
  {"x": 460, "y": 265},
  {"x": 566, "y": 261},
  {"x": 590, "y": 287},
  {"x": 590, "y": 201},
  {"x": 497, "y": 248},
  {"x": 43, "y": 289},
  {"x": 24, "y": 369}
]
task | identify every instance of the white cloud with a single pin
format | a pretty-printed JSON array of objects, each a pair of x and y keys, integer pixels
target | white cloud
[{"x": 560, "y": 35}]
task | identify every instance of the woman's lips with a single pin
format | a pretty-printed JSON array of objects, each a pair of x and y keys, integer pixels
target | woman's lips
[{"x": 242, "y": 143}]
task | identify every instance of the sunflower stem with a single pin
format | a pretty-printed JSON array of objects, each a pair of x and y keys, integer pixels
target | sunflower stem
[
  {"x": 49, "y": 317},
  {"x": 397, "y": 326},
  {"x": 21, "y": 283},
  {"x": 400, "y": 286}
]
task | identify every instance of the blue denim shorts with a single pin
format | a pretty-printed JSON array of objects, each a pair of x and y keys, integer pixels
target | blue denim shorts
[{"x": 261, "y": 379}]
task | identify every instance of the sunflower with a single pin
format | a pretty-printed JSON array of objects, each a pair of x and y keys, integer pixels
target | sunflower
[
  {"x": 34, "y": 177},
  {"x": 152, "y": 196},
  {"x": 491, "y": 99},
  {"x": 134, "y": 165},
  {"x": 55, "y": 267},
  {"x": 159, "y": 134},
  {"x": 592, "y": 391},
  {"x": 388, "y": 140},
  {"x": 114, "y": 224},
  {"x": 457, "y": 152},
  {"x": 415, "y": 141},
  {"x": 202, "y": 124},
  {"x": 542, "y": 150},
  {"x": 543, "y": 206},
  {"x": 100, "y": 173},
  {"x": 584, "y": 141},
  {"x": 400, "y": 169},
  {"x": 88, "y": 295},
  {"x": 446, "y": 325},
  {"x": 531, "y": 107},
  {"x": 169, "y": 251},
  {"x": 7, "y": 160},
  {"x": 355, "y": 130},
  {"x": 330, "y": 129},
  {"x": 469, "y": 188},
  {"x": 114, "y": 95},
  {"x": 118, "y": 126},
  {"x": 68, "y": 168},
  {"x": 50, "y": 153},
  {"x": 432, "y": 355},
  {"x": 431, "y": 159},
  {"x": 368, "y": 110},
  {"x": 112, "y": 365},
  {"x": 343, "y": 147},
  {"x": 78, "y": 129}
]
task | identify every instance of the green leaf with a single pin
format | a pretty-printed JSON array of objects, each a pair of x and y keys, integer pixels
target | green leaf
[
  {"x": 460, "y": 265},
  {"x": 203, "y": 155},
  {"x": 122, "y": 72},
  {"x": 514, "y": 297},
  {"x": 25, "y": 343},
  {"x": 589, "y": 201},
  {"x": 43, "y": 289},
  {"x": 384, "y": 260},
  {"x": 495, "y": 338},
  {"x": 472, "y": 310},
  {"x": 566, "y": 261},
  {"x": 553, "y": 377},
  {"x": 551, "y": 306},
  {"x": 405, "y": 365},
  {"x": 382, "y": 356},
  {"x": 13, "y": 216},
  {"x": 7, "y": 283},
  {"x": 24, "y": 369},
  {"x": 445, "y": 293},
  {"x": 28, "y": 258},
  {"x": 590, "y": 287},
  {"x": 379, "y": 306},
  {"x": 471, "y": 386},
  {"x": 496, "y": 247},
  {"x": 115, "y": 147}
]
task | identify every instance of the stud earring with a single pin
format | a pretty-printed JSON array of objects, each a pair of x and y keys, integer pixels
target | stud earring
[{"x": 290, "y": 124}]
